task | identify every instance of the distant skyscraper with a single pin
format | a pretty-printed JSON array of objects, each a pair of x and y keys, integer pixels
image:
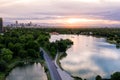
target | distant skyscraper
[
  {"x": 16, "y": 23},
  {"x": 1, "y": 24},
  {"x": 30, "y": 23}
]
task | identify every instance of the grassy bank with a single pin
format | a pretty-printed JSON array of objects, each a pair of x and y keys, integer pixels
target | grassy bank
[
  {"x": 47, "y": 71},
  {"x": 59, "y": 57}
]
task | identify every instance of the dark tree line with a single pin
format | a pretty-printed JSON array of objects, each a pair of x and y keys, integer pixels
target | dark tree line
[{"x": 111, "y": 34}]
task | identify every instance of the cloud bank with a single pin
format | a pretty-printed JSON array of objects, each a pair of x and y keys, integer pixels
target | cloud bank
[{"x": 104, "y": 12}]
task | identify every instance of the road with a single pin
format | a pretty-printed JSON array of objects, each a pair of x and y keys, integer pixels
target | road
[{"x": 51, "y": 66}]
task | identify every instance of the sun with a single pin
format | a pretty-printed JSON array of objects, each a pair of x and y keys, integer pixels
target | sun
[{"x": 73, "y": 20}]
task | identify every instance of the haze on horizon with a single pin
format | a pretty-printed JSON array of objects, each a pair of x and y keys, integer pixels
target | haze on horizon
[{"x": 69, "y": 13}]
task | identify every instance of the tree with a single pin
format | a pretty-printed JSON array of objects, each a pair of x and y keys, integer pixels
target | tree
[
  {"x": 3, "y": 65},
  {"x": 11, "y": 46},
  {"x": 14, "y": 33},
  {"x": 29, "y": 37},
  {"x": 7, "y": 40},
  {"x": 32, "y": 53},
  {"x": 115, "y": 76},
  {"x": 61, "y": 46},
  {"x": 22, "y": 53},
  {"x": 7, "y": 54},
  {"x": 17, "y": 47},
  {"x": 1, "y": 39},
  {"x": 53, "y": 51},
  {"x": 22, "y": 38},
  {"x": 32, "y": 45},
  {"x": 1, "y": 46},
  {"x": 98, "y": 77},
  {"x": 42, "y": 39}
]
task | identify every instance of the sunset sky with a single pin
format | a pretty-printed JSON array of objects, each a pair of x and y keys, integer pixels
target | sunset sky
[{"x": 99, "y": 13}]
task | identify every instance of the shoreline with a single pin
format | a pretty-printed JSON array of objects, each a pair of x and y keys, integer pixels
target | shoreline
[
  {"x": 58, "y": 57},
  {"x": 64, "y": 75},
  {"x": 61, "y": 55},
  {"x": 16, "y": 63}
]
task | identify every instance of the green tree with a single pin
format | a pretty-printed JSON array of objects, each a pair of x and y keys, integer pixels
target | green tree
[
  {"x": 98, "y": 77},
  {"x": 29, "y": 37},
  {"x": 115, "y": 76},
  {"x": 32, "y": 53},
  {"x": 42, "y": 39},
  {"x": 53, "y": 51},
  {"x": 7, "y": 54},
  {"x": 17, "y": 47},
  {"x": 3, "y": 65},
  {"x": 11, "y": 46},
  {"x": 32, "y": 45},
  {"x": 7, "y": 40},
  {"x": 61, "y": 46},
  {"x": 1, "y": 46},
  {"x": 22, "y": 38},
  {"x": 22, "y": 53}
]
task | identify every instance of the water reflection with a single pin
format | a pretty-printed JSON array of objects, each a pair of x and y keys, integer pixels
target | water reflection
[
  {"x": 90, "y": 56},
  {"x": 28, "y": 72}
]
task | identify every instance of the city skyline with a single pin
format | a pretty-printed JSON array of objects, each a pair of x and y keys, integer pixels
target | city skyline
[{"x": 78, "y": 13}]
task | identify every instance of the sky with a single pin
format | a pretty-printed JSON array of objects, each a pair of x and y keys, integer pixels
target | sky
[{"x": 68, "y": 13}]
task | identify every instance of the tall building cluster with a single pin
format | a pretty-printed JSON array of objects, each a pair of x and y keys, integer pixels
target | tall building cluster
[{"x": 17, "y": 24}]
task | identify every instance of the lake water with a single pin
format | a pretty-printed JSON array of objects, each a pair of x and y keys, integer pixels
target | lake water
[
  {"x": 89, "y": 56},
  {"x": 28, "y": 72}
]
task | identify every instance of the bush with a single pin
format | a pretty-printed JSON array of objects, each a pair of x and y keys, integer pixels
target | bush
[
  {"x": 3, "y": 65},
  {"x": 98, "y": 77},
  {"x": 115, "y": 76}
]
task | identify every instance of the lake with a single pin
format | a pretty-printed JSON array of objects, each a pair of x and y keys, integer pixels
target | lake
[
  {"x": 89, "y": 56},
  {"x": 28, "y": 72}
]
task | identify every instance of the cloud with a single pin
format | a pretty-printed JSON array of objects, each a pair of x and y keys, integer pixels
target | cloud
[{"x": 60, "y": 9}]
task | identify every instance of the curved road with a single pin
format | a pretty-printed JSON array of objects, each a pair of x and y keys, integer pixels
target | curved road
[{"x": 51, "y": 66}]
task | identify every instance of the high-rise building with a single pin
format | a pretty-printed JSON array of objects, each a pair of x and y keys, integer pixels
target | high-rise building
[
  {"x": 16, "y": 23},
  {"x": 1, "y": 24}
]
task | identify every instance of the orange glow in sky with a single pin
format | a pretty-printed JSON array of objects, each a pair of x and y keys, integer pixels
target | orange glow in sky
[
  {"x": 77, "y": 20},
  {"x": 72, "y": 22}
]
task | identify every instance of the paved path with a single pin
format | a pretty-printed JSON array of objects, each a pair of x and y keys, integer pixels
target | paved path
[
  {"x": 64, "y": 75},
  {"x": 51, "y": 66}
]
